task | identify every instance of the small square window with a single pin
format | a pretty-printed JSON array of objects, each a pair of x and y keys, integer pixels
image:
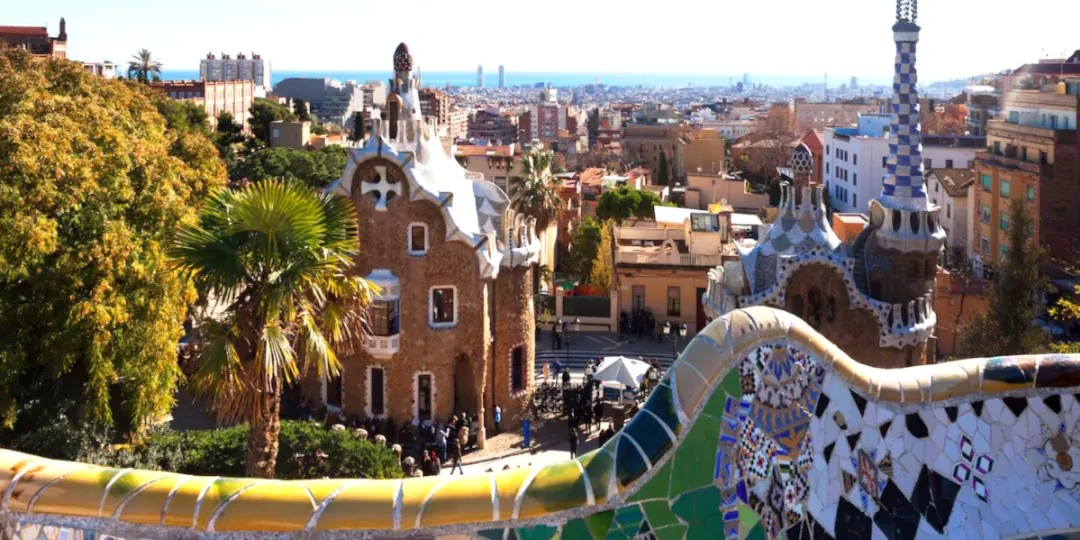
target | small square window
[
  {"x": 1005, "y": 189},
  {"x": 443, "y": 307},
  {"x": 948, "y": 164},
  {"x": 418, "y": 239}
]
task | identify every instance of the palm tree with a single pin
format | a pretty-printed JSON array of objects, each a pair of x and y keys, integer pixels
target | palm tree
[
  {"x": 143, "y": 67},
  {"x": 279, "y": 254},
  {"x": 533, "y": 193}
]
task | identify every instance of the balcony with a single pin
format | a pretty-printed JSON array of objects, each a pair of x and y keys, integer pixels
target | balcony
[
  {"x": 1005, "y": 129},
  {"x": 382, "y": 346},
  {"x": 988, "y": 157},
  {"x": 664, "y": 259}
]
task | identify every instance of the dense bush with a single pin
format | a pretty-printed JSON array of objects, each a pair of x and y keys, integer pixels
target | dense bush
[{"x": 307, "y": 450}]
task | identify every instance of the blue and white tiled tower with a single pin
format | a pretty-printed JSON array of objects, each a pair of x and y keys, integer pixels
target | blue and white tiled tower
[
  {"x": 904, "y": 187},
  {"x": 910, "y": 222}
]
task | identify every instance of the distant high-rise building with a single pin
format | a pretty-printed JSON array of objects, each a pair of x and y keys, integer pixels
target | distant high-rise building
[
  {"x": 854, "y": 82},
  {"x": 502, "y": 77},
  {"x": 746, "y": 79},
  {"x": 241, "y": 68},
  {"x": 480, "y": 76}
]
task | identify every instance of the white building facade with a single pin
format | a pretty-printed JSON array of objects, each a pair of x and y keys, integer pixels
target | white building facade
[
  {"x": 856, "y": 159},
  {"x": 241, "y": 68}
]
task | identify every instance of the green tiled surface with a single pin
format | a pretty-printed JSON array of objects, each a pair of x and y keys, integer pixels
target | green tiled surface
[
  {"x": 695, "y": 458},
  {"x": 657, "y": 486},
  {"x": 700, "y": 509},
  {"x": 659, "y": 513},
  {"x": 540, "y": 532},
  {"x": 599, "y": 523},
  {"x": 674, "y": 532},
  {"x": 731, "y": 384},
  {"x": 576, "y": 529}
]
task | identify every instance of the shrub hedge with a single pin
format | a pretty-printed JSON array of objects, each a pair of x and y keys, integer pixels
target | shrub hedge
[{"x": 306, "y": 450}]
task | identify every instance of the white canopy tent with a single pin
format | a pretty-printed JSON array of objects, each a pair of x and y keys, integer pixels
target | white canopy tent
[{"x": 621, "y": 370}]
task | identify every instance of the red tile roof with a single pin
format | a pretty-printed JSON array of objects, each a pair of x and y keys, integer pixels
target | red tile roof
[{"x": 24, "y": 31}]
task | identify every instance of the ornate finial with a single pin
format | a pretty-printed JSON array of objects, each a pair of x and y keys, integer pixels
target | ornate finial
[
  {"x": 402, "y": 59},
  {"x": 907, "y": 10}
]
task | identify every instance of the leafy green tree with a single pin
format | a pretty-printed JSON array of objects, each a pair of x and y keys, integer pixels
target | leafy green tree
[
  {"x": 183, "y": 115},
  {"x": 584, "y": 245},
  {"x": 143, "y": 67},
  {"x": 534, "y": 193},
  {"x": 316, "y": 168},
  {"x": 301, "y": 110},
  {"x": 94, "y": 182},
  {"x": 602, "y": 274},
  {"x": 625, "y": 202},
  {"x": 281, "y": 255},
  {"x": 663, "y": 176},
  {"x": 263, "y": 112},
  {"x": 1008, "y": 326}
]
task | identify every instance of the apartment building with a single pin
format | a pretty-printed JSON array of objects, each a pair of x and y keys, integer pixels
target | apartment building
[
  {"x": 234, "y": 97},
  {"x": 823, "y": 115},
  {"x": 855, "y": 159},
  {"x": 253, "y": 68},
  {"x": 663, "y": 266},
  {"x": 1032, "y": 155},
  {"x": 949, "y": 190}
]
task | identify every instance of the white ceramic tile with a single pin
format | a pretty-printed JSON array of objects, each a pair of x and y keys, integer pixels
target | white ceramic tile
[
  {"x": 992, "y": 408},
  {"x": 967, "y": 423}
]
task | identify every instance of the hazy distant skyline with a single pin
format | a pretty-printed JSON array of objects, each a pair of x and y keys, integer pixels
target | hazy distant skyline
[{"x": 765, "y": 37}]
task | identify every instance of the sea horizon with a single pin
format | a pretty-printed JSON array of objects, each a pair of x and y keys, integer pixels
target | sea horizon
[{"x": 561, "y": 80}]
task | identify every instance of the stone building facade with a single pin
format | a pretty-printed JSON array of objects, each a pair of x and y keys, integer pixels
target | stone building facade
[
  {"x": 451, "y": 328},
  {"x": 872, "y": 296}
]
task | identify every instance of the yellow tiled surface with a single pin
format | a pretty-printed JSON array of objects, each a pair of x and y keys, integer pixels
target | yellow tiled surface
[
  {"x": 275, "y": 505},
  {"x": 463, "y": 499},
  {"x": 364, "y": 504}
]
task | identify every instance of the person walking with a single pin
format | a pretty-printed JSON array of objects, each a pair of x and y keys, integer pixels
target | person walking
[
  {"x": 498, "y": 419},
  {"x": 440, "y": 441},
  {"x": 525, "y": 431},
  {"x": 455, "y": 456},
  {"x": 573, "y": 441},
  {"x": 598, "y": 412}
]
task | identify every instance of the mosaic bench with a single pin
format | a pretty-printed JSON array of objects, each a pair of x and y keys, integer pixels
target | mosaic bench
[{"x": 762, "y": 429}]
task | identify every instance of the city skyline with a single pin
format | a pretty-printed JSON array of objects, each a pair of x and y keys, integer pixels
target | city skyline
[{"x": 805, "y": 41}]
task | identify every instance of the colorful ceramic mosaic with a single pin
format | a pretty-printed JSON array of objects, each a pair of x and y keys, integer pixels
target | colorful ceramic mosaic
[{"x": 762, "y": 429}]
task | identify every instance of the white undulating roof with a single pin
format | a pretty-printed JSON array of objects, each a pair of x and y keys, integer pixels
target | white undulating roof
[
  {"x": 745, "y": 220},
  {"x": 667, "y": 214}
]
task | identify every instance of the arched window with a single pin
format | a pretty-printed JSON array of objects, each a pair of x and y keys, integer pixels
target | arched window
[
  {"x": 814, "y": 315},
  {"x": 797, "y": 305}
]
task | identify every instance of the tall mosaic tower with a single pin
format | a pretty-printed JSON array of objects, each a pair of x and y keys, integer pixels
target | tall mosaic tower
[{"x": 904, "y": 186}]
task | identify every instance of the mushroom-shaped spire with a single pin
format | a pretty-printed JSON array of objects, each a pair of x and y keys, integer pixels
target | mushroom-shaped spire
[
  {"x": 402, "y": 58},
  {"x": 802, "y": 160}
]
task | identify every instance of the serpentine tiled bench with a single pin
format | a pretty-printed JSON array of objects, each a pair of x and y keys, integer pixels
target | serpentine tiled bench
[{"x": 762, "y": 428}]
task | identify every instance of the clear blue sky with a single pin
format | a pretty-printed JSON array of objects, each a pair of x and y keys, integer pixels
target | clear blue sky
[{"x": 773, "y": 37}]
